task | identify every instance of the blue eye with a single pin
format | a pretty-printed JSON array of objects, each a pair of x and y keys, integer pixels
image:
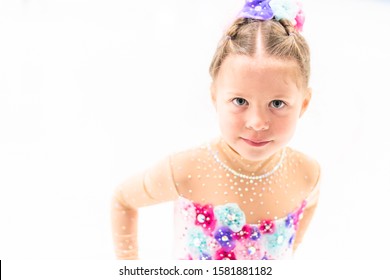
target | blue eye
[
  {"x": 277, "y": 104},
  {"x": 240, "y": 101}
]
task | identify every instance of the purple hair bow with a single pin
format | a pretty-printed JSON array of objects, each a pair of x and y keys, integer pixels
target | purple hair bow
[{"x": 257, "y": 9}]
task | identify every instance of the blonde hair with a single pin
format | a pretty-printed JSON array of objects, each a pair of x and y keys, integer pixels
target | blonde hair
[{"x": 279, "y": 38}]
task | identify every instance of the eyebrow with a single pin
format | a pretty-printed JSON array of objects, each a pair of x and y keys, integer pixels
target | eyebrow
[
  {"x": 276, "y": 96},
  {"x": 236, "y": 93}
]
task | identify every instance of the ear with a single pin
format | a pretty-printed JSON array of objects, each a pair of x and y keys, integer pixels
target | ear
[
  {"x": 213, "y": 94},
  {"x": 306, "y": 101}
]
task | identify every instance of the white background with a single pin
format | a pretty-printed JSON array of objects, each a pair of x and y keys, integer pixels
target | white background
[{"x": 94, "y": 91}]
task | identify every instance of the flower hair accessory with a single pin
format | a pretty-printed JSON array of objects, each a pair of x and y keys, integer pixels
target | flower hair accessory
[{"x": 277, "y": 9}]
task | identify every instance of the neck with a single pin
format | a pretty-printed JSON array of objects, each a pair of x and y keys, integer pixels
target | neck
[{"x": 234, "y": 160}]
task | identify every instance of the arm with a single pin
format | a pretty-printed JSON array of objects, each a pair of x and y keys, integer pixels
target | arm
[
  {"x": 154, "y": 186},
  {"x": 312, "y": 202},
  {"x": 304, "y": 223},
  {"x": 124, "y": 221},
  {"x": 124, "y": 229}
]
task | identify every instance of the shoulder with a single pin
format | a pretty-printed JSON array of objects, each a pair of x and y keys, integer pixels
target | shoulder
[
  {"x": 306, "y": 167},
  {"x": 188, "y": 163},
  {"x": 190, "y": 156}
]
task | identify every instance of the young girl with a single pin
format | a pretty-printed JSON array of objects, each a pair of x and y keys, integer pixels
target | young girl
[{"x": 245, "y": 195}]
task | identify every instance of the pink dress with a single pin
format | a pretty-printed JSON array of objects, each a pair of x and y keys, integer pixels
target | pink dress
[{"x": 220, "y": 232}]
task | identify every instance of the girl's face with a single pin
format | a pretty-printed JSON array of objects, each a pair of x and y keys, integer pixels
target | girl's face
[{"x": 258, "y": 103}]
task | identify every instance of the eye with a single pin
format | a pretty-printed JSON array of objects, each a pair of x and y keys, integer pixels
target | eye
[
  {"x": 277, "y": 104},
  {"x": 240, "y": 101}
]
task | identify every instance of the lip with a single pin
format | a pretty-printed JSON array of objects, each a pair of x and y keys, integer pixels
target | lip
[{"x": 255, "y": 143}]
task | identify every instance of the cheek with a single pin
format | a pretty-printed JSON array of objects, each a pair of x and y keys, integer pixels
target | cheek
[
  {"x": 285, "y": 127},
  {"x": 229, "y": 121}
]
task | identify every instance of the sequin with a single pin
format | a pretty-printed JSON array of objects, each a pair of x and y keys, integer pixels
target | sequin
[
  {"x": 230, "y": 215},
  {"x": 251, "y": 250},
  {"x": 222, "y": 255},
  {"x": 255, "y": 233},
  {"x": 267, "y": 227},
  {"x": 201, "y": 218},
  {"x": 224, "y": 235},
  {"x": 224, "y": 215},
  {"x": 245, "y": 243},
  {"x": 196, "y": 242}
]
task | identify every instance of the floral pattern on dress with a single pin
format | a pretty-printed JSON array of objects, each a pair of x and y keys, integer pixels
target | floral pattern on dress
[
  {"x": 267, "y": 227},
  {"x": 220, "y": 233},
  {"x": 230, "y": 215},
  {"x": 222, "y": 255},
  {"x": 204, "y": 217},
  {"x": 250, "y": 250},
  {"x": 225, "y": 237},
  {"x": 197, "y": 241}
]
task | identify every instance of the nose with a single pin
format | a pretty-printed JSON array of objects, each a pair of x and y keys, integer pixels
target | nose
[{"x": 257, "y": 120}]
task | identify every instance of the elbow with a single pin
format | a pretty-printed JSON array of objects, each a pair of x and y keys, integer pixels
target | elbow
[{"x": 120, "y": 201}]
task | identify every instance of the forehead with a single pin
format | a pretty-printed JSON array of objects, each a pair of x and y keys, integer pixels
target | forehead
[{"x": 243, "y": 72}]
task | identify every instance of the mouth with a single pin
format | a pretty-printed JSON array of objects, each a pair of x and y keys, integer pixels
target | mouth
[{"x": 256, "y": 143}]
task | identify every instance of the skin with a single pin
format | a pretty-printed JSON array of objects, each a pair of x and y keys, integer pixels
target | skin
[{"x": 259, "y": 101}]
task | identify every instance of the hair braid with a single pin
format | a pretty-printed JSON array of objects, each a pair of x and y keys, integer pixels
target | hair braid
[{"x": 279, "y": 40}]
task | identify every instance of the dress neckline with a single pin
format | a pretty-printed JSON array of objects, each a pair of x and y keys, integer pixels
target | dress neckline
[{"x": 234, "y": 161}]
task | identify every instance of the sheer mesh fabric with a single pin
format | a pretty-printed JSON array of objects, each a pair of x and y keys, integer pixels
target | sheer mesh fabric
[
  {"x": 203, "y": 179},
  {"x": 214, "y": 175}
]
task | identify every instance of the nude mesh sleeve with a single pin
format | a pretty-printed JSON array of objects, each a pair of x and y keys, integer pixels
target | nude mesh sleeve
[
  {"x": 313, "y": 197},
  {"x": 156, "y": 185},
  {"x": 311, "y": 205}
]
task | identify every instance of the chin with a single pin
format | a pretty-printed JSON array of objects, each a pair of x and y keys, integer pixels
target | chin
[{"x": 257, "y": 154}]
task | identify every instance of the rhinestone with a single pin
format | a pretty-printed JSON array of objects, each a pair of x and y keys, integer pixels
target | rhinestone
[
  {"x": 231, "y": 217},
  {"x": 237, "y": 174},
  {"x": 201, "y": 218},
  {"x": 251, "y": 250},
  {"x": 197, "y": 242}
]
